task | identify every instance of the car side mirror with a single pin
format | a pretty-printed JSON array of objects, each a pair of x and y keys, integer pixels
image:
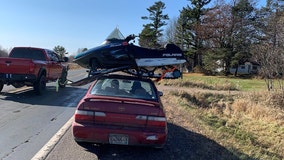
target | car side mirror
[{"x": 160, "y": 93}]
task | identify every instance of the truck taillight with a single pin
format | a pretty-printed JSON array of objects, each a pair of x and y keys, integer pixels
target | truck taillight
[{"x": 32, "y": 67}]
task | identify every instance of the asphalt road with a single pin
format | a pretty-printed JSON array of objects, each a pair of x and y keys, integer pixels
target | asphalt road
[{"x": 28, "y": 121}]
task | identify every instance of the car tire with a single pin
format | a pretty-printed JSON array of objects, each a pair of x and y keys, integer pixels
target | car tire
[
  {"x": 40, "y": 85},
  {"x": 177, "y": 73},
  {"x": 1, "y": 85},
  {"x": 63, "y": 79}
]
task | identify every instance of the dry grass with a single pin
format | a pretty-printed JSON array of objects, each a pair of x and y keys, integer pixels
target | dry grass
[
  {"x": 246, "y": 124},
  {"x": 263, "y": 122}
]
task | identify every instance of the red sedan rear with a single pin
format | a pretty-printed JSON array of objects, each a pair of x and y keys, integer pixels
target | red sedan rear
[{"x": 122, "y": 110}]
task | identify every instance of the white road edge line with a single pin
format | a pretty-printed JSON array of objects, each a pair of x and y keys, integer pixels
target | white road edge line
[{"x": 49, "y": 146}]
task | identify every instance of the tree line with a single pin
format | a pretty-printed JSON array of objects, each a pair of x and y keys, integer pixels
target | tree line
[{"x": 222, "y": 36}]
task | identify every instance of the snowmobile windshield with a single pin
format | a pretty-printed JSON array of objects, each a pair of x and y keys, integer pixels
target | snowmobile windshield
[
  {"x": 90, "y": 51},
  {"x": 108, "y": 41}
]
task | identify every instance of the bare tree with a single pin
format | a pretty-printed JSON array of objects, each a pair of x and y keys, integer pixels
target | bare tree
[
  {"x": 216, "y": 32},
  {"x": 3, "y": 52},
  {"x": 170, "y": 32},
  {"x": 270, "y": 50},
  {"x": 271, "y": 59}
]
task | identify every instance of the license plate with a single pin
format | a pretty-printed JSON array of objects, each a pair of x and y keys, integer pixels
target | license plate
[{"x": 118, "y": 139}]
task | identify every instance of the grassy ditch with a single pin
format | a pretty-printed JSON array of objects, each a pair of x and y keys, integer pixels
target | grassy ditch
[
  {"x": 250, "y": 124},
  {"x": 217, "y": 83}
]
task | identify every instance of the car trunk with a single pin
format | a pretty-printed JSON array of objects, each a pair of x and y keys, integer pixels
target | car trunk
[{"x": 126, "y": 112}]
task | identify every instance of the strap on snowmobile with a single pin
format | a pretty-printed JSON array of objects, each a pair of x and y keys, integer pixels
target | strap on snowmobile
[
  {"x": 169, "y": 73},
  {"x": 94, "y": 75}
]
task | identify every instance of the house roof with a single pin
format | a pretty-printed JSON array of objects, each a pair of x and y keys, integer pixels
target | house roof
[{"x": 251, "y": 60}]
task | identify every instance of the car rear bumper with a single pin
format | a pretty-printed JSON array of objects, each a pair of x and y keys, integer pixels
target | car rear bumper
[{"x": 100, "y": 134}]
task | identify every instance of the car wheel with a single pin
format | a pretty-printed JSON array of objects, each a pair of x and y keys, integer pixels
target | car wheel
[
  {"x": 176, "y": 73},
  {"x": 40, "y": 85},
  {"x": 63, "y": 79},
  {"x": 1, "y": 85}
]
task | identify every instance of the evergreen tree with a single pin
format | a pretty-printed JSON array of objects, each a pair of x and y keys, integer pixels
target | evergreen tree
[
  {"x": 190, "y": 28},
  {"x": 242, "y": 33},
  {"x": 146, "y": 37},
  {"x": 153, "y": 31},
  {"x": 60, "y": 50}
]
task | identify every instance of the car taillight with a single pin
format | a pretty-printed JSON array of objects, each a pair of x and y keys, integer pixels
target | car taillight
[
  {"x": 153, "y": 120},
  {"x": 88, "y": 116},
  {"x": 157, "y": 121},
  {"x": 84, "y": 116}
]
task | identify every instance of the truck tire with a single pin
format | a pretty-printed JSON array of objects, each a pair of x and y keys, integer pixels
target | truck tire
[
  {"x": 40, "y": 85},
  {"x": 63, "y": 79},
  {"x": 1, "y": 85}
]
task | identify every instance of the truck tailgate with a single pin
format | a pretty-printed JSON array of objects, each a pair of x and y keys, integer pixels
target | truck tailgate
[{"x": 15, "y": 65}]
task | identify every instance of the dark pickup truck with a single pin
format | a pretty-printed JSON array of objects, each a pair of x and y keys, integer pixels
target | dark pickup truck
[{"x": 29, "y": 66}]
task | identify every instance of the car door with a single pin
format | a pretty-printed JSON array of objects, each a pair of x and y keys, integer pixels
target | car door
[{"x": 55, "y": 67}]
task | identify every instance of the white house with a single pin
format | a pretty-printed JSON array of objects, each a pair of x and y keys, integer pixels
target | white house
[{"x": 246, "y": 68}]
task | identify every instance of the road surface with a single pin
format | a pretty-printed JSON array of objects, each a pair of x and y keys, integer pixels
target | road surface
[{"x": 28, "y": 121}]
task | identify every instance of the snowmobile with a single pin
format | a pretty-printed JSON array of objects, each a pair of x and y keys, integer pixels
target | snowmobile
[{"x": 117, "y": 54}]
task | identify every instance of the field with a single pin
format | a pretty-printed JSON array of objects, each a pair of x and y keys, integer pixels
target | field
[{"x": 239, "y": 114}]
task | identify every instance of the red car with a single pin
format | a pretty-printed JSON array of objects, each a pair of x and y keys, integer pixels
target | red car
[{"x": 123, "y": 110}]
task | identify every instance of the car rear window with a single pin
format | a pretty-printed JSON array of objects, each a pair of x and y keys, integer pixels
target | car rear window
[
  {"x": 124, "y": 88},
  {"x": 28, "y": 53}
]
